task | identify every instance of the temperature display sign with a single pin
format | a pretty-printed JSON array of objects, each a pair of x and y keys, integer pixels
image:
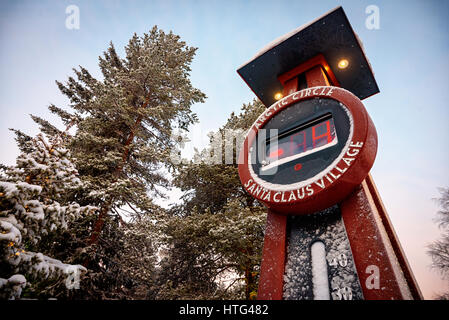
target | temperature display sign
[
  {"x": 301, "y": 141},
  {"x": 308, "y": 151}
]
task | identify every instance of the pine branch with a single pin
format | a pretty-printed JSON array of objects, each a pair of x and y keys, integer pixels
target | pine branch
[{"x": 98, "y": 226}]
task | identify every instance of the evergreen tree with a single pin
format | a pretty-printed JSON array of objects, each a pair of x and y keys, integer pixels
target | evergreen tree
[
  {"x": 33, "y": 206},
  {"x": 138, "y": 258},
  {"x": 123, "y": 125},
  {"x": 214, "y": 241},
  {"x": 124, "y": 122},
  {"x": 439, "y": 249},
  {"x": 212, "y": 256}
]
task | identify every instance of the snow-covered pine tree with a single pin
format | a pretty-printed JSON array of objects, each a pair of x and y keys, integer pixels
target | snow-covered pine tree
[
  {"x": 124, "y": 121},
  {"x": 216, "y": 234},
  {"x": 33, "y": 204}
]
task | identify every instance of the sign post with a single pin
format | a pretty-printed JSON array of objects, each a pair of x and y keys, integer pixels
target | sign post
[{"x": 307, "y": 158}]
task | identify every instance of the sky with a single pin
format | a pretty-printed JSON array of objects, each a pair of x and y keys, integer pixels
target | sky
[{"x": 409, "y": 54}]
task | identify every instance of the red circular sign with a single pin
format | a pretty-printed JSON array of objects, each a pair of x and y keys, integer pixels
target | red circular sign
[{"x": 331, "y": 184}]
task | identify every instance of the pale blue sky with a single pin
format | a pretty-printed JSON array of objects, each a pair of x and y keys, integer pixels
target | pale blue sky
[{"x": 409, "y": 55}]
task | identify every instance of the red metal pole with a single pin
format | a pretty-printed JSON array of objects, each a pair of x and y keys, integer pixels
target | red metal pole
[
  {"x": 375, "y": 247},
  {"x": 271, "y": 280}
]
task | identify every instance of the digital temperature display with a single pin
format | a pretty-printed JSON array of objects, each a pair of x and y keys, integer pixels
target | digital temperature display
[
  {"x": 299, "y": 156},
  {"x": 303, "y": 140}
]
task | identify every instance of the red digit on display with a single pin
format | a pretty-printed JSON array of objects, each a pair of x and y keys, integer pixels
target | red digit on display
[
  {"x": 327, "y": 134},
  {"x": 294, "y": 145},
  {"x": 277, "y": 153}
]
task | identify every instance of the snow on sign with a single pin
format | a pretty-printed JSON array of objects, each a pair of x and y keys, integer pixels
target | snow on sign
[
  {"x": 323, "y": 147},
  {"x": 307, "y": 158}
]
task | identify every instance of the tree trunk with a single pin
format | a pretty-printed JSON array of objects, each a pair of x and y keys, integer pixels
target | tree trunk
[{"x": 99, "y": 223}]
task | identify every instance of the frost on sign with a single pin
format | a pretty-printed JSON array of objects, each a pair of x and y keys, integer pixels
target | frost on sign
[
  {"x": 319, "y": 259},
  {"x": 320, "y": 278}
]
